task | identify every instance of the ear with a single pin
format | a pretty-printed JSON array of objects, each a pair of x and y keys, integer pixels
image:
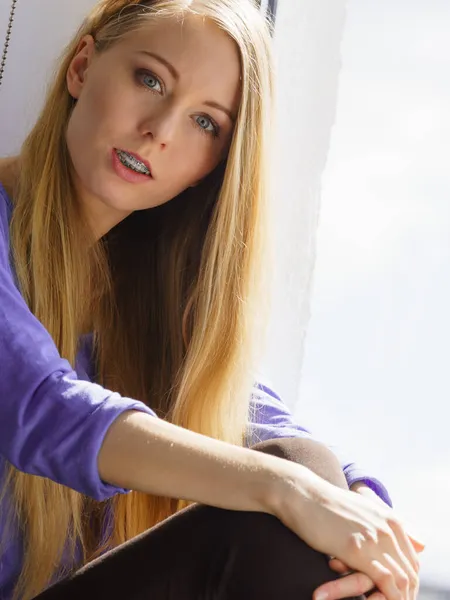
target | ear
[{"x": 78, "y": 68}]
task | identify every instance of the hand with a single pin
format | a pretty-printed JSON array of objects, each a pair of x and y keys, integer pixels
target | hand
[
  {"x": 361, "y": 488},
  {"x": 354, "y": 584},
  {"x": 364, "y": 490},
  {"x": 350, "y": 585},
  {"x": 360, "y": 533}
]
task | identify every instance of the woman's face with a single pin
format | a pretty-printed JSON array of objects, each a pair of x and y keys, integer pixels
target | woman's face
[{"x": 168, "y": 95}]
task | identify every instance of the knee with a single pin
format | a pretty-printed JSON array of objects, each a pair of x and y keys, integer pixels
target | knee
[
  {"x": 307, "y": 452},
  {"x": 267, "y": 560}
]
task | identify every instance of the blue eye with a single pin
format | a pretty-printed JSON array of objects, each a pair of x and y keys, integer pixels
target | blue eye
[
  {"x": 151, "y": 81},
  {"x": 207, "y": 125}
]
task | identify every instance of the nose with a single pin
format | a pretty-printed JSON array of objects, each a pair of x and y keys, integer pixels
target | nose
[{"x": 161, "y": 127}]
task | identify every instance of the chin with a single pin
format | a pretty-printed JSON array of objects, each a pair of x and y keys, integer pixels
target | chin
[
  {"x": 110, "y": 193},
  {"x": 117, "y": 203}
]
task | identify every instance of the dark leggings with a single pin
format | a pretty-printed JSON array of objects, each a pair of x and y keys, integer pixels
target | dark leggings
[{"x": 207, "y": 553}]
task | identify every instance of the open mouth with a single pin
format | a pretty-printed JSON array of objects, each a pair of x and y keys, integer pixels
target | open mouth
[{"x": 132, "y": 163}]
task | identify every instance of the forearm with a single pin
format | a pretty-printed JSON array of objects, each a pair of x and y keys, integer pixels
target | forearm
[{"x": 147, "y": 454}]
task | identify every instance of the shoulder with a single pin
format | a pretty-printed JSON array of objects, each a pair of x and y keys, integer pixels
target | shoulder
[
  {"x": 5, "y": 219},
  {"x": 264, "y": 387},
  {"x": 4, "y": 198},
  {"x": 265, "y": 400},
  {"x": 9, "y": 171},
  {"x": 8, "y": 174},
  {"x": 5, "y": 212}
]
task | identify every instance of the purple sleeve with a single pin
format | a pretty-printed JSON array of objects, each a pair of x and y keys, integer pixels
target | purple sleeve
[
  {"x": 51, "y": 423},
  {"x": 270, "y": 419}
]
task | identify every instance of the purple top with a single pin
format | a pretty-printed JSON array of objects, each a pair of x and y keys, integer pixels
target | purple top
[{"x": 53, "y": 419}]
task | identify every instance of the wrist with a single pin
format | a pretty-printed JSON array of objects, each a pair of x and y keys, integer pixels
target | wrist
[{"x": 282, "y": 479}]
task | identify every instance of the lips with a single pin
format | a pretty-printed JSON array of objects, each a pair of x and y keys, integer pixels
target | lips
[{"x": 138, "y": 157}]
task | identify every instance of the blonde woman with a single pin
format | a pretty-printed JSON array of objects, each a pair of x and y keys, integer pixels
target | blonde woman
[{"x": 127, "y": 355}]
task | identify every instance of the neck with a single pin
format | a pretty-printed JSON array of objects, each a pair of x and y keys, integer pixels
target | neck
[{"x": 100, "y": 217}]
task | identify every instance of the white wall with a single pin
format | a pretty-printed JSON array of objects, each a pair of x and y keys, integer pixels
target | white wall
[{"x": 40, "y": 31}]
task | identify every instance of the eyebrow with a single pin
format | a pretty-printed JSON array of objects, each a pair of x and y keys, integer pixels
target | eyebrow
[
  {"x": 164, "y": 62},
  {"x": 175, "y": 74},
  {"x": 222, "y": 108}
]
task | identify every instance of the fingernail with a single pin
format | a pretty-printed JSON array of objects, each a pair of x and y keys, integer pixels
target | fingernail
[{"x": 321, "y": 596}]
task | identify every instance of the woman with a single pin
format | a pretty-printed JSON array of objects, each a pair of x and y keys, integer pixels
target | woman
[{"x": 157, "y": 101}]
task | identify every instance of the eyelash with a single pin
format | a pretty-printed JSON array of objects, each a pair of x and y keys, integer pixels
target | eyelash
[{"x": 140, "y": 74}]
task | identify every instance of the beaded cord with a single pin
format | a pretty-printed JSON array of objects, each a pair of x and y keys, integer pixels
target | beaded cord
[{"x": 7, "y": 39}]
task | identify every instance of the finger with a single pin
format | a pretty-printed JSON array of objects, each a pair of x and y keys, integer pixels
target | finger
[
  {"x": 403, "y": 573},
  {"x": 411, "y": 564},
  {"x": 338, "y": 566},
  {"x": 376, "y": 596},
  {"x": 355, "y": 584},
  {"x": 405, "y": 581},
  {"x": 384, "y": 577},
  {"x": 418, "y": 546},
  {"x": 405, "y": 544}
]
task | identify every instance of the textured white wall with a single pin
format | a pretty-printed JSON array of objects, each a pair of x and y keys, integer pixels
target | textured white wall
[
  {"x": 308, "y": 39},
  {"x": 40, "y": 31}
]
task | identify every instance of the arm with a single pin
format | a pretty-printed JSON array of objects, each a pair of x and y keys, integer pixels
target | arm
[
  {"x": 157, "y": 457},
  {"x": 81, "y": 435},
  {"x": 270, "y": 418},
  {"x": 51, "y": 424}
]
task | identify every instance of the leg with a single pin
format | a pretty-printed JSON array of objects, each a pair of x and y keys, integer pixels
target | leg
[
  {"x": 206, "y": 553},
  {"x": 309, "y": 453}
]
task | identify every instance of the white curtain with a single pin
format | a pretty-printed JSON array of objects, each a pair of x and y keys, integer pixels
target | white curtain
[{"x": 308, "y": 36}]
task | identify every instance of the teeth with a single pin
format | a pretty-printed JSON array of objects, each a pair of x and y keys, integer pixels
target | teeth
[{"x": 132, "y": 163}]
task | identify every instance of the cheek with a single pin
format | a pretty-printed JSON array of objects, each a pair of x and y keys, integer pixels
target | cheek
[
  {"x": 195, "y": 158},
  {"x": 99, "y": 111},
  {"x": 75, "y": 138},
  {"x": 180, "y": 173},
  {"x": 190, "y": 171},
  {"x": 83, "y": 123}
]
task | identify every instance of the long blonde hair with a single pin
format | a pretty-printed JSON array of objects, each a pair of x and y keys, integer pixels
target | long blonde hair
[{"x": 176, "y": 329}]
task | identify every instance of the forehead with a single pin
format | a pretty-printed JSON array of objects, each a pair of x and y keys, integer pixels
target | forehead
[{"x": 198, "y": 49}]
